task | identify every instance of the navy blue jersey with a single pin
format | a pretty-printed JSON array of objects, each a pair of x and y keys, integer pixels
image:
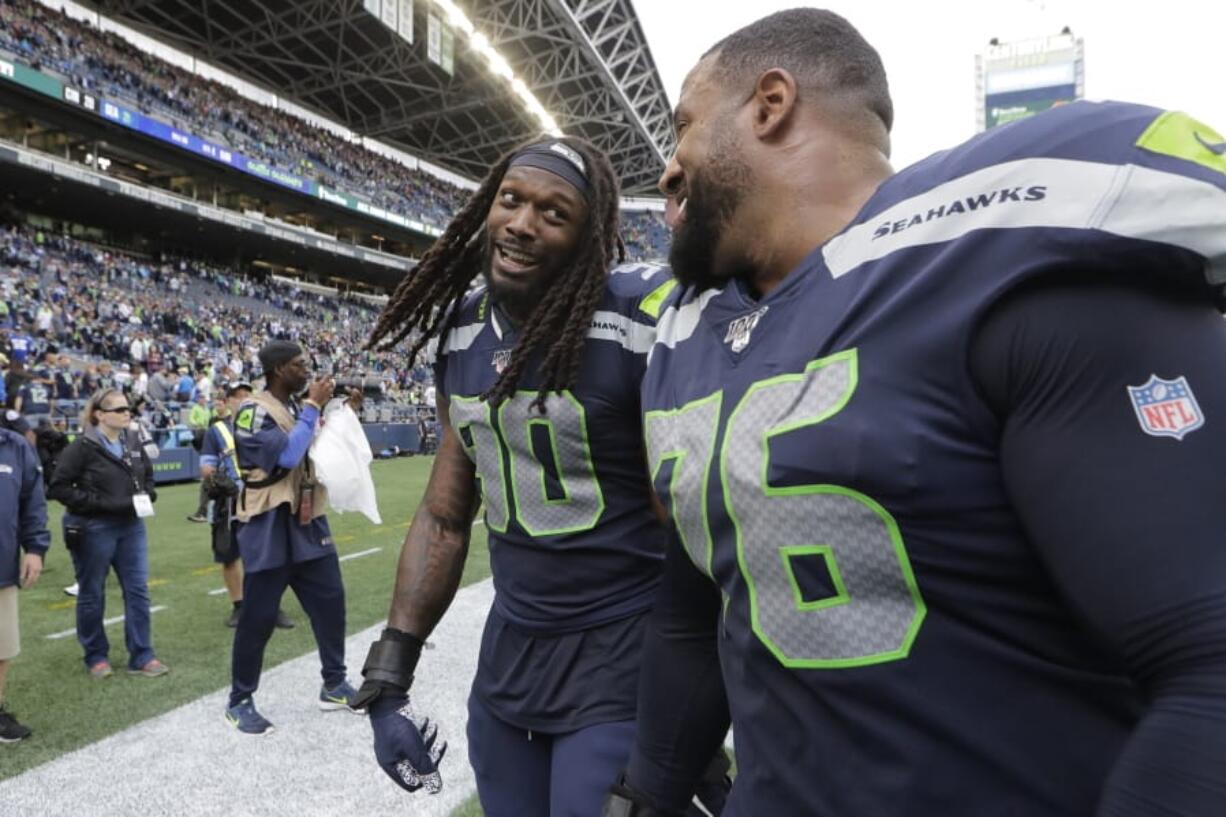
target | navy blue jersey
[
  {"x": 35, "y": 398},
  {"x": 274, "y": 538},
  {"x": 891, "y": 641},
  {"x": 573, "y": 540}
]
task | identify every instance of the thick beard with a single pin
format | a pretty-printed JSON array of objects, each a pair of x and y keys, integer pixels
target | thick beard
[{"x": 711, "y": 203}]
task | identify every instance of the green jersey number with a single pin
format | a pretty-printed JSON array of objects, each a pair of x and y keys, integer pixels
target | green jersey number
[{"x": 876, "y": 608}]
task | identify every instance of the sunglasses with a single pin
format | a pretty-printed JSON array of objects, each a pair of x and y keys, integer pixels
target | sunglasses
[{"x": 116, "y": 410}]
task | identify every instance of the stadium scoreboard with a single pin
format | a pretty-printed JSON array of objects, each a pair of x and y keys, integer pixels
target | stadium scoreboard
[{"x": 1014, "y": 80}]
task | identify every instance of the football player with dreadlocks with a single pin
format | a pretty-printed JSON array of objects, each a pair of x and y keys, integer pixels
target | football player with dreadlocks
[{"x": 538, "y": 377}]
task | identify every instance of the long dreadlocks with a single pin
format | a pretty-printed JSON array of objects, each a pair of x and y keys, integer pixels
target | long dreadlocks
[{"x": 427, "y": 299}]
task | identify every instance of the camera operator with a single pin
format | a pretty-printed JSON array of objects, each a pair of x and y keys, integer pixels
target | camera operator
[
  {"x": 283, "y": 535},
  {"x": 223, "y": 480}
]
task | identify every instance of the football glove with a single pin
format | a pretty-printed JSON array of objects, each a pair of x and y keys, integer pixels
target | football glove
[
  {"x": 709, "y": 796},
  {"x": 407, "y": 748}
]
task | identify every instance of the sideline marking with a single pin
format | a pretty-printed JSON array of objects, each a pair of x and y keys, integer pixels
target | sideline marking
[
  {"x": 106, "y": 623},
  {"x": 359, "y": 554}
]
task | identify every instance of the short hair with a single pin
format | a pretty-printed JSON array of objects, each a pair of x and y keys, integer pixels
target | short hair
[{"x": 819, "y": 48}]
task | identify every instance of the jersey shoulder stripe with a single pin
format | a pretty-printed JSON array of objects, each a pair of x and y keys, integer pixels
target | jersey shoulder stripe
[
  {"x": 1033, "y": 175},
  {"x": 681, "y": 316},
  {"x": 633, "y": 336},
  {"x": 473, "y": 315}
]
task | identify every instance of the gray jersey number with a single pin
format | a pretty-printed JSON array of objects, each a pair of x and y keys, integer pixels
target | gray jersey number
[
  {"x": 876, "y": 609},
  {"x": 686, "y": 438},
  {"x": 564, "y": 426}
]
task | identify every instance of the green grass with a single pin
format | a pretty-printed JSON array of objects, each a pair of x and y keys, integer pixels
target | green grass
[
  {"x": 469, "y": 808},
  {"x": 48, "y": 687}
]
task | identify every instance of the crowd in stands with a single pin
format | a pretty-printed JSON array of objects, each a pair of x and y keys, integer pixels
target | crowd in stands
[
  {"x": 109, "y": 66},
  {"x": 75, "y": 317}
]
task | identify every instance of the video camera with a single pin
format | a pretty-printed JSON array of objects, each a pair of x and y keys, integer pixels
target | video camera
[{"x": 366, "y": 386}]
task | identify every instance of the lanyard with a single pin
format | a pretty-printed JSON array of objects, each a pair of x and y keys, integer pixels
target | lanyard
[{"x": 125, "y": 457}]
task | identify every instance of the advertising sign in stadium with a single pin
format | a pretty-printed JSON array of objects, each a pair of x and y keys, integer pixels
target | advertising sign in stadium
[{"x": 1019, "y": 79}]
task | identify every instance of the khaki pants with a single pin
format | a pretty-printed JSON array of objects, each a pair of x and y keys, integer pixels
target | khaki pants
[{"x": 10, "y": 636}]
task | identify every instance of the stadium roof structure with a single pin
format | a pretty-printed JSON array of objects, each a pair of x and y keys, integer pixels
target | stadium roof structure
[{"x": 586, "y": 61}]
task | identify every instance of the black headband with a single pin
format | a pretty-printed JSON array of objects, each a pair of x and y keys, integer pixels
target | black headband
[{"x": 557, "y": 158}]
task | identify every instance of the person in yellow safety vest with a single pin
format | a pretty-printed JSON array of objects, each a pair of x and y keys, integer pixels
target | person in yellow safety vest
[{"x": 223, "y": 479}]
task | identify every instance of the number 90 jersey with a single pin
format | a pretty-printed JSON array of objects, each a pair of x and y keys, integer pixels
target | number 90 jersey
[
  {"x": 573, "y": 539},
  {"x": 890, "y": 643}
]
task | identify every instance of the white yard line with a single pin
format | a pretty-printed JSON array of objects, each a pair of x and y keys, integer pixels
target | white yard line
[
  {"x": 190, "y": 763},
  {"x": 359, "y": 554},
  {"x": 105, "y": 623}
]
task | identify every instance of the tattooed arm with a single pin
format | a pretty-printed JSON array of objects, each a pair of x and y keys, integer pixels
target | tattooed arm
[{"x": 436, "y": 544}]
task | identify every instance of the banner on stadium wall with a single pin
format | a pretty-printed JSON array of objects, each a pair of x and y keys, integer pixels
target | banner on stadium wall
[
  {"x": 447, "y": 51},
  {"x": 342, "y": 199},
  {"x": 19, "y": 74},
  {"x": 388, "y": 14},
  {"x": 434, "y": 38},
  {"x": 176, "y": 465},
  {"x": 404, "y": 26},
  {"x": 165, "y": 133}
]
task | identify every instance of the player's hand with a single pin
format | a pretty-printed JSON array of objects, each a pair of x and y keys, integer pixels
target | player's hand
[
  {"x": 31, "y": 569},
  {"x": 320, "y": 391},
  {"x": 624, "y": 800},
  {"x": 713, "y": 788},
  {"x": 406, "y": 747}
]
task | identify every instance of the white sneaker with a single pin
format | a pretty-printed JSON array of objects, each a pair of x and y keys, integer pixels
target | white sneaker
[{"x": 72, "y": 589}]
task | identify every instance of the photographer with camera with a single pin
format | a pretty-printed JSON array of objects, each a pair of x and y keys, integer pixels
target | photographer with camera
[
  {"x": 223, "y": 480},
  {"x": 283, "y": 535}
]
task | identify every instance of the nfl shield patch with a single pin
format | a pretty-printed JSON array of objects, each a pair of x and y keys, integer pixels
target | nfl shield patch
[{"x": 1166, "y": 408}]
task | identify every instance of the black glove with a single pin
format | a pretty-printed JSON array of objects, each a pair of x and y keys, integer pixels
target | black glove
[
  {"x": 407, "y": 748},
  {"x": 713, "y": 788},
  {"x": 709, "y": 796},
  {"x": 625, "y": 801}
]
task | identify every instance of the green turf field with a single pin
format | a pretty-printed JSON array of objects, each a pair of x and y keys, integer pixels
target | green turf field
[{"x": 48, "y": 688}]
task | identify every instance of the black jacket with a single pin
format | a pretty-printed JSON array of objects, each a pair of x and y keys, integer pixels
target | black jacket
[{"x": 91, "y": 481}]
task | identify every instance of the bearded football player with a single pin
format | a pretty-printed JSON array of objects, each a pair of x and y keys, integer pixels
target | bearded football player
[{"x": 944, "y": 449}]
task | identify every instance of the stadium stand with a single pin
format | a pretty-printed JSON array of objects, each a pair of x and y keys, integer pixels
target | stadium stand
[
  {"x": 106, "y": 64},
  {"x": 86, "y": 305}
]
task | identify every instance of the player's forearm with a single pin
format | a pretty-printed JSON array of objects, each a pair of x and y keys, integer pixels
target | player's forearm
[
  {"x": 1175, "y": 763},
  {"x": 675, "y": 743},
  {"x": 431, "y": 563},
  {"x": 682, "y": 708}
]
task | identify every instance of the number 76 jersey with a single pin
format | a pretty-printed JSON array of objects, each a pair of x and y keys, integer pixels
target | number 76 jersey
[{"x": 890, "y": 642}]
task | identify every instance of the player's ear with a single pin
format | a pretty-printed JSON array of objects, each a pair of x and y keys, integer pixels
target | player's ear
[{"x": 774, "y": 102}]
